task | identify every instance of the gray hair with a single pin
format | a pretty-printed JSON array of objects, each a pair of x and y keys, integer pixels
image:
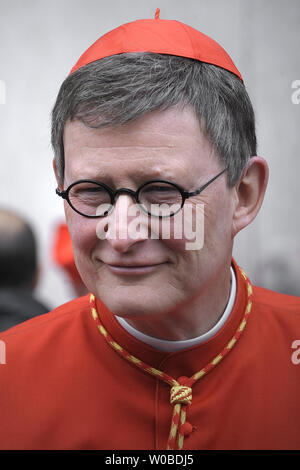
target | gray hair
[{"x": 124, "y": 87}]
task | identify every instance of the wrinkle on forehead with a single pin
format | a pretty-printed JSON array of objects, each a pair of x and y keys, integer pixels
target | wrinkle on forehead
[
  {"x": 159, "y": 145},
  {"x": 129, "y": 153},
  {"x": 110, "y": 140},
  {"x": 155, "y": 126},
  {"x": 132, "y": 167},
  {"x": 131, "y": 150}
]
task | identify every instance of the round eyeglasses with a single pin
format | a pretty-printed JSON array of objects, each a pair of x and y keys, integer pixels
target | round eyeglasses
[{"x": 158, "y": 198}]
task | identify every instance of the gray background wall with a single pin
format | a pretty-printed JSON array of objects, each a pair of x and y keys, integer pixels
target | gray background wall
[{"x": 40, "y": 40}]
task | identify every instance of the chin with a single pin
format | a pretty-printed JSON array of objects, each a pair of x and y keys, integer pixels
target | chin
[{"x": 127, "y": 302}]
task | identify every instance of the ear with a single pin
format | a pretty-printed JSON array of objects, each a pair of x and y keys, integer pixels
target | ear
[
  {"x": 59, "y": 182},
  {"x": 249, "y": 193}
]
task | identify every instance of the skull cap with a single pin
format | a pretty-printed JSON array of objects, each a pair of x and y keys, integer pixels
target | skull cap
[{"x": 159, "y": 36}]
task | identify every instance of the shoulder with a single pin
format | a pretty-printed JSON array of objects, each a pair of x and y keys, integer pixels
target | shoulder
[
  {"x": 277, "y": 315},
  {"x": 268, "y": 302},
  {"x": 43, "y": 325},
  {"x": 277, "y": 302},
  {"x": 49, "y": 341}
]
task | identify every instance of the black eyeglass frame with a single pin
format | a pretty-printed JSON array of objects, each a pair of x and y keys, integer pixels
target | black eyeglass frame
[{"x": 135, "y": 194}]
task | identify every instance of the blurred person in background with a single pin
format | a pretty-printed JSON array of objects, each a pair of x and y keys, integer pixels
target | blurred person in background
[{"x": 18, "y": 271}]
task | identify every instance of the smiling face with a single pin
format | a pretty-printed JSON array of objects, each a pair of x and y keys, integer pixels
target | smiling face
[{"x": 140, "y": 276}]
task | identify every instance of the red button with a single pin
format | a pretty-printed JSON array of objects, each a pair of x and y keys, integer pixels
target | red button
[
  {"x": 182, "y": 380},
  {"x": 187, "y": 429}
]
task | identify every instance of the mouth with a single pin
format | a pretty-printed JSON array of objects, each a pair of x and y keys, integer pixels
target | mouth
[{"x": 133, "y": 269}]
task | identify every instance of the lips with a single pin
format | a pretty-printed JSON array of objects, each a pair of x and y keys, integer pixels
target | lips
[
  {"x": 129, "y": 265},
  {"x": 132, "y": 268}
]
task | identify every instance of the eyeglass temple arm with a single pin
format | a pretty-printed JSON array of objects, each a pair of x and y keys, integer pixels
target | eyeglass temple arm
[
  {"x": 198, "y": 191},
  {"x": 62, "y": 194}
]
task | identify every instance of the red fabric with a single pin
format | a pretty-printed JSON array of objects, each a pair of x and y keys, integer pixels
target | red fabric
[
  {"x": 159, "y": 36},
  {"x": 63, "y": 387}
]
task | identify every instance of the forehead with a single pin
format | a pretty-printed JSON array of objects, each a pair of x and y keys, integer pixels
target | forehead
[{"x": 160, "y": 142}]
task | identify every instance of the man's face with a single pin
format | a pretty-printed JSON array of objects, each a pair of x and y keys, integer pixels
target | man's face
[{"x": 141, "y": 275}]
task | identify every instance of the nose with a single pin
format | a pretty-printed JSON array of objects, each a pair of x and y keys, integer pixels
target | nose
[{"x": 126, "y": 225}]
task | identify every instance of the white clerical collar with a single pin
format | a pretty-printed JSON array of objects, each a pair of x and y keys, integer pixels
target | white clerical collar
[{"x": 174, "y": 346}]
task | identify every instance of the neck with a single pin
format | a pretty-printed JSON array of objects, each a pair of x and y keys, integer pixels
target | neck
[{"x": 191, "y": 319}]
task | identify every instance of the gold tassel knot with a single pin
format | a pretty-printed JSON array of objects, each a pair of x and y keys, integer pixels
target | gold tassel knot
[{"x": 180, "y": 394}]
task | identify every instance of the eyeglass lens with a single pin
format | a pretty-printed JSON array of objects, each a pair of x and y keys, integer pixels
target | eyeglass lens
[{"x": 155, "y": 198}]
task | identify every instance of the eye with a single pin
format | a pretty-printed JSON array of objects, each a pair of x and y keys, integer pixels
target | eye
[
  {"x": 161, "y": 199},
  {"x": 88, "y": 193},
  {"x": 90, "y": 190},
  {"x": 160, "y": 192},
  {"x": 158, "y": 188}
]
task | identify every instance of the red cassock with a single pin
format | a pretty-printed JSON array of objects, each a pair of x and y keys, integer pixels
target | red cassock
[{"x": 64, "y": 387}]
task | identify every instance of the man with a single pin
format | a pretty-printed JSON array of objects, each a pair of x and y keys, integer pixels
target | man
[
  {"x": 173, "y": 349},
  {"x": 18, "y": 271}
]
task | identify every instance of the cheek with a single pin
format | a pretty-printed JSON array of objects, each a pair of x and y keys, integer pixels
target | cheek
[
  {"x": 82, "y": 231},
  {"x": 205, "y": 224},
  {"x": 183, "y": 234},
  {"x": 218, "y": 225},
  {"x": 187, "y": 228}
]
